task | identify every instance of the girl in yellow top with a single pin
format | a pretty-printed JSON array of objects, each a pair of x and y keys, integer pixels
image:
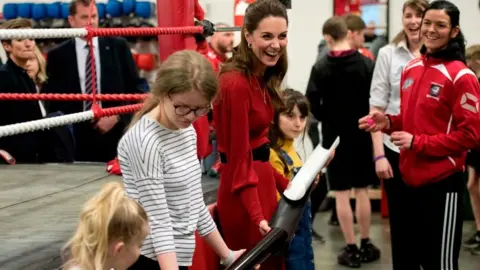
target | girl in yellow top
[{"x": 288, "y": 123}]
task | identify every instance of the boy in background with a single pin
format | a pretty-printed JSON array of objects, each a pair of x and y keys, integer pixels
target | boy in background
[
  {"x": 473, "y": 163},
  {"x": 357, "y": 27},
  {"x": 339, "y": 91}
]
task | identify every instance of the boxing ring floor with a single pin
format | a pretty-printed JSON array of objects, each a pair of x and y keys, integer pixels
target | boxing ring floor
[{"x": 40, "y": 204}]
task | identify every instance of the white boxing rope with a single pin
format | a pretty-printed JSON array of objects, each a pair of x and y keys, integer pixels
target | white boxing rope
[
  {"x": 45, "y": 123},
  {"x": 306, "y": 175},
  {"x": 8, "y": 34}
]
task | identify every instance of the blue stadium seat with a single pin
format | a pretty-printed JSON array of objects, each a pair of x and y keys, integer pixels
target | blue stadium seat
[
  {"x": 101, "y": 10},
  {"x": 10, "y": 11},
  {"x": 25, "y": 10},
  {"x": 54, "y": 10},
  {"x": 143, "y": 9},
  {"x": 39, "y": 12},
  {"x": 114, "y": 8},
  {"x": 65, "y": 10},
  {"x": 128, "y": 6}
]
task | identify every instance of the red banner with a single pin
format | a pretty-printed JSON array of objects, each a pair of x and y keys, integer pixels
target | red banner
[
  {"x": 346, "y": 6},
  {"x": 239, "y": 10}
]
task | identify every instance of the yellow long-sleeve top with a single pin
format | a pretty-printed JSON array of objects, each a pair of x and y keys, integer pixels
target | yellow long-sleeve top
[{"x": 290, "y": 157}]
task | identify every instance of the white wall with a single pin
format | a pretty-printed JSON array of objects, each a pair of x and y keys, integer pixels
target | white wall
[
  {"x": 305, "y": 32},
  {"x": 469, "y": 18}
]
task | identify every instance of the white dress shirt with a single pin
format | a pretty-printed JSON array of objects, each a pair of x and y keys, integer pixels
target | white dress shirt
[
  {"x": 82, "y": 53},
  {"x": 385, "y": 87}
]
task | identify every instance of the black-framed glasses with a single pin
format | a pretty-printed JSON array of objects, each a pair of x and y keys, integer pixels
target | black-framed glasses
[{"x": 183, "y": 110}]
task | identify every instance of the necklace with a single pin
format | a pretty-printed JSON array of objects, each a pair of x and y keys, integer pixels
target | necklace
[{"x": 261, "y": 89}]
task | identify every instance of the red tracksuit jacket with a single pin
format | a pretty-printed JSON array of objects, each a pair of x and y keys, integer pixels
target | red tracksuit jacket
[{"x": 440, "y": 107}]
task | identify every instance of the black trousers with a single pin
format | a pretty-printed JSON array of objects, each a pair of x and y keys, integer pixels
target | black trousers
[
  {"x": 319, "y": 193},
  {"x": 425, "y": 222},
  {"x": 145, "y": 263}
]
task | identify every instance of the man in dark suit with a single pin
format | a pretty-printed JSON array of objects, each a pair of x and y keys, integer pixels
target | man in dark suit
[
  {"x": 69, "y": 71},
  {"x": 31, "y": 147}
]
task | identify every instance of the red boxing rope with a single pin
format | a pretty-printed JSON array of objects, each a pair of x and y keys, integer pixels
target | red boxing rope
[
  {"x": 70, "y": 97},
  {"x": 149, "y": 31},
  {"x": 99, "y": 112}
]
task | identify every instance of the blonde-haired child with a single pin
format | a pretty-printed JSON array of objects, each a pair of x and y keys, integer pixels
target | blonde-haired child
[{"x": 110, "y": 234}]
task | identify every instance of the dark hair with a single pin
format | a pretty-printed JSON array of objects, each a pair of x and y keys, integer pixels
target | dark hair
[
  {"x": 290, "y": 99},
  {"x": 243, "y": 59},
  {"x": 418, "y": 6},
  {"x": 336, "y": 27},
  {"x": 72, "y": 9},
  {"x": 354, "y": 22},
  {"x": 455, "y": 49}
]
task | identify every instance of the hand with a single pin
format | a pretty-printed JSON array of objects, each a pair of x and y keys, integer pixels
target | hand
[
  {"x": 264, "y": 228},
  {"x": 402, "y": 139},
  {"x": 373, "y": 122},
  {"x": 383, "y": 169},
  {"x": 332, "y": 155},
  {"x": 105, "y": 124},
  {"x": 317, "y": 179},
  {"x": 237, "y": 254}
]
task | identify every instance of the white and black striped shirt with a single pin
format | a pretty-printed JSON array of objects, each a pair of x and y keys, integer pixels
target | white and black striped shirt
[{"x": 161, "y": 170}]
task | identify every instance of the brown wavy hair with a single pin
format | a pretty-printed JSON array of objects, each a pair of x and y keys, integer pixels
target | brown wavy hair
[
  {"x": 244, "y": 60},
  {"x": 419, "y": 6},
  {"x": 290, "y": 98}
]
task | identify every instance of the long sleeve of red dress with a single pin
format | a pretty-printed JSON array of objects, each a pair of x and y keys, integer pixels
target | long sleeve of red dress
[{"x": 233, "y": 132}]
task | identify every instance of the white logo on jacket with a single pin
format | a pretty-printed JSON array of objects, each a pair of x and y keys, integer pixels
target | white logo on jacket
[
  {"x": 408, "y": 82},
  {"x": 469, "y": 102}
]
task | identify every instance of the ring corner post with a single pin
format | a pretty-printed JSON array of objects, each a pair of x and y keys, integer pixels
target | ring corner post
[{"x": 173, "y": 13}]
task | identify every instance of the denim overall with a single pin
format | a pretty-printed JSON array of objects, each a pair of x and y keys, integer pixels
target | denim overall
[{"x": 300, "y": 252}]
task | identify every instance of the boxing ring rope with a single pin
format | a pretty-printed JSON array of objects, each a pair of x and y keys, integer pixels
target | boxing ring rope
[
  {"x": 73, "y": 97},
  {"x": 96, "y": 112},
  {"x": 63, "y": 120},
  {"x": 8, "y": 34}
]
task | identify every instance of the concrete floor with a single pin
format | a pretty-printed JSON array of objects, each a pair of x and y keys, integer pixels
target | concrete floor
[
  {"x": 39, "y": 207},
  {"x": 326, "y": 253}
]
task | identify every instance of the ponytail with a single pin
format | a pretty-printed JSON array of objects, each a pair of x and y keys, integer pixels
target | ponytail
[
  {"x": 106, "y": 217},
  {"x": 150, "y": 103}
]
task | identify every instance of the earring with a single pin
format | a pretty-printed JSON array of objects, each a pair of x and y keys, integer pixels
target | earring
[{"x": 249, "y": 45}]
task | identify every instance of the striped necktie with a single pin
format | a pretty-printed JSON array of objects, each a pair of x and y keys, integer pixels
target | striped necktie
[{"x": 88, "y": 79}]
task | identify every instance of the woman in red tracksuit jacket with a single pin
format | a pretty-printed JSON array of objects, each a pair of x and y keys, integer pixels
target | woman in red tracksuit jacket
[{"x": 438, "y": 122}]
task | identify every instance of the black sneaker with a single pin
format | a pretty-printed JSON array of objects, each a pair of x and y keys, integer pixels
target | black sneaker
[
  {"x": 473, "y": 241},
  {"x": 369, "y": 253},
  {"x": 349, "y": 257},
  {"x": 475, "y": 250},
  {"x": 318, "y": 237}
]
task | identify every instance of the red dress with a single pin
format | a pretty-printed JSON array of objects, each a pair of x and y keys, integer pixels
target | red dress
[{"x": 247, "y": 191}]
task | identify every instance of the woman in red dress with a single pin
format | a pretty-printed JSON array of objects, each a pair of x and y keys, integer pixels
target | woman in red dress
[{"x": 249, "y": 85}]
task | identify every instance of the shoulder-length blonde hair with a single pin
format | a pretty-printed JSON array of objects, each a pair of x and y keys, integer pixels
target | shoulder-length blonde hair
[{"x": 41, "y": 76}]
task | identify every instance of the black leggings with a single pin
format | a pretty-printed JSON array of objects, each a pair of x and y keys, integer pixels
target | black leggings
[
  {"x": 145, "y": 263},
  {"x": 425, "y": 222}
]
